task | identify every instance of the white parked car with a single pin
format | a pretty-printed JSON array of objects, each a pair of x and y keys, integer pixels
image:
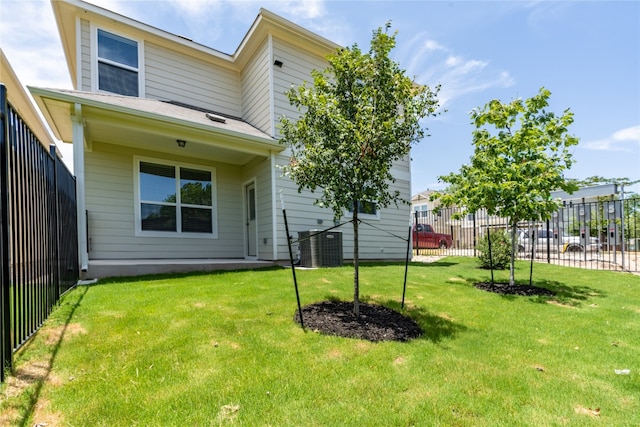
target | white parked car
[{"x": 543, "y": 238}]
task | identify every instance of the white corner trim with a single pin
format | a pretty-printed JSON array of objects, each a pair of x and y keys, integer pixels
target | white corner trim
[
  {"x": 77, "y": 124},
  {"x": 274, "y": 204},
  {"x": 272, "y": 105}
]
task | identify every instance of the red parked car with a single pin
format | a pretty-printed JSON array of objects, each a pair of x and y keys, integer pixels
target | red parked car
[{"x": 425, "y": 237}]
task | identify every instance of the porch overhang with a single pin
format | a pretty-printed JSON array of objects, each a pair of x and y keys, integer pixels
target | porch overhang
[{"x": 154, "y": 125}]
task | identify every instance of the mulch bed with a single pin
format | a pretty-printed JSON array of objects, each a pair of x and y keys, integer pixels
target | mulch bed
[
  {"x": 376, "y": 322},
  {"x": 506, "y": 289},
  {"x": 379, "y": 323}
]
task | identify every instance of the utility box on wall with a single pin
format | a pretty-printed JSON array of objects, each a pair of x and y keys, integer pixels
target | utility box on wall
[{"x": 320, "y": 249}]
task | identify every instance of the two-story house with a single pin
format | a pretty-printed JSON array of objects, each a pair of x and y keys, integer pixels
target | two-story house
[{"x": 176, "y": 147}]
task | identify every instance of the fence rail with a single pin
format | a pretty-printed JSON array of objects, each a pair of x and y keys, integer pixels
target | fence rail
[
  {"x": 38, "y": 239},
  {"x": 603, "y": 235}
]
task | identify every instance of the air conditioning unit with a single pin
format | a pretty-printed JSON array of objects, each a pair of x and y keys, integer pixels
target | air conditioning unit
[{"x": 320, "y": 248}]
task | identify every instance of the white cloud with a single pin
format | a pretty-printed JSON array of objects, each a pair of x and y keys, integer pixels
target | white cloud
[
  {"x": 433, "y": 63},
  {"x": 34, "y": 54},
  {"x": 196, "y": 9},
  {"x": 433, "y": 45},
  {"x": 628, "y": 134},
  {"x": 617, "y": 141},
  {"x": 311, "y": 9},
  {"x": 452, "y": 61}
]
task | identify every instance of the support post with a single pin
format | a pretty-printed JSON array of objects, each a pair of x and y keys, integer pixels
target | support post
[
  {"x": 293, "y": 267},
  {"x": 406, "y": 266},
  {"x": 77, "y": 124}
]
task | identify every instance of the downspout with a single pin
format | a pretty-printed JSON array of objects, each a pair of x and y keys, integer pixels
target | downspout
[{"x": 77, "y": 124}]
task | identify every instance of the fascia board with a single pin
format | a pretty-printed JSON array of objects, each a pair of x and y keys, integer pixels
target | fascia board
[
  {"x": 21, "y": 102},
  {"x": 67, "y": 29},
  {"x": 269, "y": 23},
  {"x": 68, "y": 11}
]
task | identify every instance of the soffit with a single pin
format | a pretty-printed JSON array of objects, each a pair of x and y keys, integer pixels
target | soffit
[{"x": 153, "y": 125}]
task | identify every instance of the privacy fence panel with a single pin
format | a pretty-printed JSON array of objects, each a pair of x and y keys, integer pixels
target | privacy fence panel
[
  {"x": 39, "y": 231},
  {"x": 603, "y": 235}
]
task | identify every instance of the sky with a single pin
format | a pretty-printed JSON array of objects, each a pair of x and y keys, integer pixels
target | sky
[{"x": 587, "y": 53}]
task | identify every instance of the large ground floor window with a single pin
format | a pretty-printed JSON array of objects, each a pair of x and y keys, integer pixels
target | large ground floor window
[{"x": 174, "y": 199}]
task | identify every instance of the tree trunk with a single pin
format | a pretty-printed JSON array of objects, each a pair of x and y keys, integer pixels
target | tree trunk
[
  {"x": 514, "y": 247},
  {"x": 356, "y": 273}
]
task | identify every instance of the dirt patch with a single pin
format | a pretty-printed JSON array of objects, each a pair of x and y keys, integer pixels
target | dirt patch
[
  {"x": 399, "y": 361},
  {"x": 9, "y": 417},
  {"x": 42, "y": 415},
  {"x": 581, "y": 410},
  {"x": 55, "y": 335},
  {"x": 24, "y": 377},
  {"x": 376, "y": 322},
  {"x": 559, "y": 304},
  {"x": 507, "y": 289}
]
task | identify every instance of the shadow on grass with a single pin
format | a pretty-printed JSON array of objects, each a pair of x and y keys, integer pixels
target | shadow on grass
[
  {"x": 563, "y": 293},
  {"x": 27, "y": 406},
  {"x": 166, "y": 276},
  {"x": 434, "y": 328},
  {"x": 573, "y": 295},
  {"x": 432, "y": 264}
]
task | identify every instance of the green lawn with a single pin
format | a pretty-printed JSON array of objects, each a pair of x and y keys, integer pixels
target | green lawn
[{"x": 222, "y": 349}]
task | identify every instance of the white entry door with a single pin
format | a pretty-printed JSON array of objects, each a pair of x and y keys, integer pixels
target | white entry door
[{"x": 250, "y": 216}]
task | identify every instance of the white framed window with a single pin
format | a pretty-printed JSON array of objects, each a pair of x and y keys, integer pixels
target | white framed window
[
  {"x": 367, "y": 209},
  {"x": 174, "y": 200},
  {"x": 117, "y": 64}
]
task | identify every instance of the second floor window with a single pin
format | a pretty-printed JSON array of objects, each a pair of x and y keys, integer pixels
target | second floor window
[{"x": 117, "y": 64}]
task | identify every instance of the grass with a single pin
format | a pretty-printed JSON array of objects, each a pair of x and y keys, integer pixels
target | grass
[{"x": 222, "y": 349}]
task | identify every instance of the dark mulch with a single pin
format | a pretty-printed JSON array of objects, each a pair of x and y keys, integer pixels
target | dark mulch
[
  {"x": 376, "y": 323},
  {"x": 506, "y": 289}
]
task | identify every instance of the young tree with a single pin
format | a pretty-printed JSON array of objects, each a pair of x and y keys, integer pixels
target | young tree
[
  {"x": 515, "y": 168},
  {"x": 360, "y": 116}
]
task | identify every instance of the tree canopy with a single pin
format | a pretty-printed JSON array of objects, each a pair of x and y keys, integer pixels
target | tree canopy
[
  {"x": 521, "y": 153},
  {"x": 361, "y": 115}
]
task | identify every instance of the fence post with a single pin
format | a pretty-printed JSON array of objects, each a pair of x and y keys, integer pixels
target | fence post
[
  {"x": 6, "y": 351},
  {"x": 474, "y": 235},
  {"x": 622, "y": 224},
  {"x": 56, "y": 222},
  {"x": 417, "y": 242}
]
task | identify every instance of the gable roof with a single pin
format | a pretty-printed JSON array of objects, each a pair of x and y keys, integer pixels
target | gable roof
[{"x": 266, "y": 24}]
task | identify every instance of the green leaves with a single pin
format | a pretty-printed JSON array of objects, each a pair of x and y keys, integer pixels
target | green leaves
[
  {"x": 521, "y": 153},
  {"x": 360, "y": 116}
]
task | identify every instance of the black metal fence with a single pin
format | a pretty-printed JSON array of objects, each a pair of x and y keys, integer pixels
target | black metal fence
[
  {"x": 38, "y": 235},
  {"x": 603, "y": 235}
]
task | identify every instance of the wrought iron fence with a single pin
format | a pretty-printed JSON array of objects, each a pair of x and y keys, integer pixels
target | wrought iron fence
[
  {"x": 38, "y": 239},
  {"x": 603, "y": 235}
]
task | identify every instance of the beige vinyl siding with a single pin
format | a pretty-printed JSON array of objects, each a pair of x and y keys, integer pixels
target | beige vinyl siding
[
  {"x": 85, "y": 55},
  {"x": 383, "y": 240},
  {"x": 175, "y": 76},
  {"x": 110, "y": 204},
  {"x": 296, "y": 69},
  {"x": 255, "y": 90}
]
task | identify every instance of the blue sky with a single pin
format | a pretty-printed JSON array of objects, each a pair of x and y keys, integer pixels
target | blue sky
[{"x": 587, "y": 53}]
